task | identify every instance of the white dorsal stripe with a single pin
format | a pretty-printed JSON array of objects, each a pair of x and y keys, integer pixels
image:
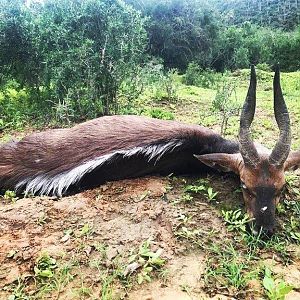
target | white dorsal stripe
[{"x": 58, "y": 184}]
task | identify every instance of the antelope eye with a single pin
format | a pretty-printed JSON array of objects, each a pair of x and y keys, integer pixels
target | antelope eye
[{"x": 243, "y": 185}]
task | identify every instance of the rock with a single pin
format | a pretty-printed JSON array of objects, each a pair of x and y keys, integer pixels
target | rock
[
  {"x": 12, "y": 276},
  {"x": 131, "y": 268},
  {"x": 111, "y": 253},
  {"x": 27, "y": 254},
  {"x": 11, "y": 253},
  {"x": 65, "y": 238},
  {"x": 292, "y": 296},
  {"x": 88, "y": 250}
]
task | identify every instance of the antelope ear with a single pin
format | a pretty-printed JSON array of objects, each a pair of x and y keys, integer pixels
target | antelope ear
[
  {"x": 293, "y": 161},
  {"x": 223, "y": 162}
]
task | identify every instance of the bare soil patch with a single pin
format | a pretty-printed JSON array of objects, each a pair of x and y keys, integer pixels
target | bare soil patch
[{"x": 120, "y": 216}]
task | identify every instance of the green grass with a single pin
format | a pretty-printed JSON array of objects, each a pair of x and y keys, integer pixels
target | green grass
[
  {"x": 228, "y": 267},
  {"x": 204, "y": 98},
  {"x": 195, "y": 105},
  {"x": 200, "y": 187},
  {"x": 275, "y": 289}
]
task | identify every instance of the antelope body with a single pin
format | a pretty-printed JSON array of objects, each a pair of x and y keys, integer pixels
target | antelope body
[{"x": 59, "y": 161}]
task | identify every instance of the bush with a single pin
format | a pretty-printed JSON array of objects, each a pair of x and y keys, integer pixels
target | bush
[
  {"x": 166, "y": 87},
  {"x": 15, "y": 108},
  {"x": 71, "y": 56},
  {"x": 158, "y": 113},
  {"x": 264, "y": 67},
  {"x": 223, "y": 104},
  {"x": 202, "y": 78},
  {"x": 285, "y": 50},
  {"x": 180, "y": 31}
]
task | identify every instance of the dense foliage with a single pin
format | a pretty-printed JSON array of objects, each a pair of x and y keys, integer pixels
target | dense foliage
[
  {"x": 272, "y": 13},
  {"x": 70, "y": 55},
  {"x": 70, "y": 60},
  {"x": 223, "y": 34},
  {"x": 181, "y": 31}
]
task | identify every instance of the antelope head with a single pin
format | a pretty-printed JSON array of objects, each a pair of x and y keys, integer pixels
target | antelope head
[{"x": 261, "y": 171}]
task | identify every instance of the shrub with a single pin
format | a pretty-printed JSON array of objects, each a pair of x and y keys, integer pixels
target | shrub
[
  {"x": 202, "y": 78},
  {"x": 264, "y": 67},
  {"x": 166, "y": 87},
  {"x": 224, "y": 105},
  {"x": 70, "y": 56},
  {"x": 158, "y": 113}
]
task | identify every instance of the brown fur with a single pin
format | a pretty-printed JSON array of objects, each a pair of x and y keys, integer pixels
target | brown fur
[{"x": 55, "y": 151}]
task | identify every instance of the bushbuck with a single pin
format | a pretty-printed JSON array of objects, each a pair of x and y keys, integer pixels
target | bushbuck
[
  {"x": 60, "y": 161},
  {"x": 261, "y": 170}
]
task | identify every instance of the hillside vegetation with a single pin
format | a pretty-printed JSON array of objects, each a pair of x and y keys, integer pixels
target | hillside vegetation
[{"x": 68, "y": 61}]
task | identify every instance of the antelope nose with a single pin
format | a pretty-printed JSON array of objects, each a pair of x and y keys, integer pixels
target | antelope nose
[
  {"x": 268, "y": 231},
  {"x": 264, "y": 232}
]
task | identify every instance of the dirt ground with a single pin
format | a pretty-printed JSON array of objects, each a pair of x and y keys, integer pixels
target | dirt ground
[{"x": 120, "y": 215}]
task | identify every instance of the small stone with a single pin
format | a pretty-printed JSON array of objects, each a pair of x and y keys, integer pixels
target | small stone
[
  {"x": 88, "y": 250},
  {"x": 111, "y": 253},
  {"x": 11, "y": 253},
  {"x": 131, "y": 268},
  {"x": 65, "y": 238},
  {"x": 104, "y": 188},
  {"x": 293, "y": 295},
  {"x": 12, "y": 276},
  {"x": 26, "y": 255}
]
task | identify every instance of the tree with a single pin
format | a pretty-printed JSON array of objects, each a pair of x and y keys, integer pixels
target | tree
[
  {"x": 75, "y": 53},
  {"x": 180, "y": 31}
]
